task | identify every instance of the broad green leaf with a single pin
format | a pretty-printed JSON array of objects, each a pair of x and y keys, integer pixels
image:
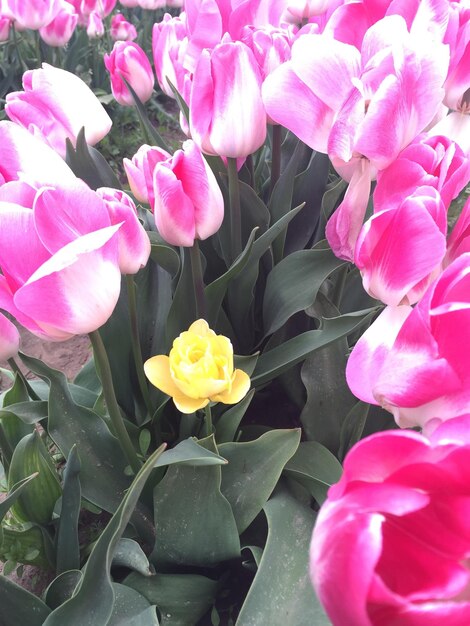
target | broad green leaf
[
  {"x": 29, "y": 412},
  {"x": 273, "y": 362},
  {"x": 315, "y": 467},
  {"x": 353, "y": 427},
  {"x": 194, "y": 522},
  {"x": 11, "y": 498},
  {"x": 181, "y": 598},
  {"x": 227, "y": 425},
  {"x": 20, "y": 607},
  {"x": 129, "y": 554},
  {"x": 163, "y": 254},
  {"x": 253, "y": 470},
  {"x": 131, "y": 608},
  {"x": 189, "y": 452},
  {"x": 62, "y": 588},
  {"x": 153, "y": 137},
  {"x": 89, "y": 165},
  {"x": 94, "y": 600},
  {"x": 67, "y": 544},
  {"x": 281, "y": 592},
  {"x": 17, "y": 393},
  {"x": 183, "y": 308},
  {"x": 292, "y": 285},
  {"x": 88, "y": 378}
]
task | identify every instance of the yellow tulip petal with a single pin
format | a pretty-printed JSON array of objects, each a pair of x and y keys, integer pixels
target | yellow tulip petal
[
  {"x": 157, "y": 370},
  {"x": 189, "y": 405},
  {"x": 201, "y": 328},
  {"x": 240, "y": 386}
]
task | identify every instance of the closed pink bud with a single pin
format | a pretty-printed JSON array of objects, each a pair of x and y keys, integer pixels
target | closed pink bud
[
  {"x": 55, "y": 105},
  {"x": 33, "y": 13},
  {"x": 58, "y": 32},
  {"x": 5, "y": 25},
  {"x": 128, "y": 61},
  {"x": 9, "y": 339},
  {"x": 169, "y": 45},
  {"x": 134, "y": 244},
  {"x": 140, "y": 169},
  {"x": 95, "y": 28},
  {"x": 227, "y": 115},
  {"x": 188, "y": 202},
  {"x": 121, "y": 29}
]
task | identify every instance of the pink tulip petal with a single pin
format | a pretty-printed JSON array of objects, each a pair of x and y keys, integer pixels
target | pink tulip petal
[
  {"x": 174, "y": 211},
  {"x": 9, "y": 339}
]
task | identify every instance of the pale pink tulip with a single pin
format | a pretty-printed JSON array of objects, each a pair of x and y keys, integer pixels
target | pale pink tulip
[
  {"x": 139, "y": 171},
  {"x": 55, "y": 105},
  {"x": 227, "y": 115},
  {"x": 128, "y": 61},
  {"x": 5, "y": 25},
  {"x": 134, "y": 243},
  {"x": 207, "y": 21},
  {"x": 59, "y": 262},
  {"x": 271, "y": 46},
  {"x": 58, "y": 32},
  {"x": 95, "y": 28},
  {"x": 102, "y": 7},
  {"x": 188, "y": 202},
  {"x": 414, "y": 362},
  {"x": 169, "y": 45},
  {"x": 391, "y": 544},
  {"x": 129, "y": 3},
  {"x": 9, "y": 339},
  {"x": 121, "y": 29},
  {"x": 33, "y": 13}
]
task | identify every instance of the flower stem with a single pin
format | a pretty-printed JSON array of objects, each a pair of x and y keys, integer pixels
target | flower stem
[
  {"x": 235, "y": 212},
  {"x": 198, "y": 280},
  {"x": 135, "y": 339},
  {"x": 276, "y": 155},
  {"x": 120, "y": 430},
  {"x": 15, "y": 368},
  {"x": 209, "y": 427}
]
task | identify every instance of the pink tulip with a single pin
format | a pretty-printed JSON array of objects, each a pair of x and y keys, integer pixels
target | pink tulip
[
  {"x": 121, "y": 29},
  {"x": 55, "y": 105},
  {"x": 414, "y": 362},
  {"x": 9, "y": 339},
  {"x": 271, "y": 46},
  {"x": 227, "y": 115},
  {"x": 129, "y": 3},
  {"x": 140, "y": 170},
  {"x": 392, "y": 541},
  {"x": 58, "y": 32},
  {"x": 457, "y": 84},
  {"x": 128, "y": 61},
  {"x": 188, "y": 202},
  {"x": 33, "y": 13},
  {"x": 152, "y": 5},
  {"x": 5, "y": 25},
  {"x": 59, "y": 262},
  {"x": 27, "y": 158},
  {"x": 207, "y": 21},
  {"x": 400, "y": 249},
  {"x": 102, "y": 7},
  {"x": 134, "y": 244},
  {"x": 95, "y": 28},
  {"x": 169, "y": 45}
]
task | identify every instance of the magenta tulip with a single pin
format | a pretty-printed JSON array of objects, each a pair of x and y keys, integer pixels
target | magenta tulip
[
  {"x": 227, "y": 115},
  {"x": 391, "y": 544},
  {"x": 9, "y": 339},
  {"x": 188, "y": 202},
  {"x": 140, "y": 170},
  {"x": 58, "y": 32},
  {"x": 134, "y": 244},
  {"x": 55, "y": 105},
  {"x": 128, "y": 61},
  {"x": 121, "y": 29},
  {"x": 414, "y": 362},
  {"x": 169, "y": 45}
]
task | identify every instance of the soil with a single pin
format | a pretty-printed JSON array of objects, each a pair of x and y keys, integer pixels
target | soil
[{"x": 68, "y": 356}]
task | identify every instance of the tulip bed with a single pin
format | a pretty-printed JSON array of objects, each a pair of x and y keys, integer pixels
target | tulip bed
[{"x": 274, "y": 427}]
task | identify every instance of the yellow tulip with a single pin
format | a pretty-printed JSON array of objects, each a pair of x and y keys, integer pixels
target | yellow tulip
[{"x": 198, "y": 370}]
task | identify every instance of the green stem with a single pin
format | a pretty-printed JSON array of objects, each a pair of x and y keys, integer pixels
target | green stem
[
  {"x": 235, "y": 211},
  {"x": 276, "y": 155},
  {"x": 15, "y": 368},
  {"x": 135, "y": 339},
  {"x": 209, "y": 427},
  {"x": 23, "y": 65},
  {"x": 120, "y": 430},
  {"x": 198, "y": 280},
  {"x": 339, "y": 285}
]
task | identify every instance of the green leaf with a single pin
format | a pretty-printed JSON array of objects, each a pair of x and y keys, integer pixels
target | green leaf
[
  {"x": 89, "y": 165},
  {"x": 62, "y": 588},
  {"x": 227, "y": 425},
  {"x": 281, "y": 592},
  {"x": 353, "y": 427},
  {"x": 129, "y": 554},
  {"x": 293, "y": 284},
  {"x": 163, "y": 254},
  {"x": 189, "y": 452},
  {"x": 273, "y": 362},
  {"x": 29, "y": 412},
  {"x": 131, "y": 608},
  {"x": 94, "y": 600},
  {"x": 253, "y": 470},
  {"x": 11, "y": 498},
  {"x": 183, "y": 308},
  {"x": 153, "y": 137},
  {"x": 189, "y": 509},
  {"x": 182, "y": 598},
  {"x": 20, "y": 607},
  {"x": 315, "y": 468},
  {"x": 68, "y": 549}
]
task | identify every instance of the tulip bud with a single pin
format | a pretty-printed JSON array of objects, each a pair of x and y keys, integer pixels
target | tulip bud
[
  {"x": 5, "y": 25},
  {"x": 33, "y": 13},
  {"x": 95, "y": 28},
  {"x": 121, "y": 29},
  {"x": 188, "y": 202},
  {"x": 9, "y": 339},
  {"x": 58, "y": 32},
  {"x": 140, "y": 169},
  {"x": 128, "y": 61},
  {"x": 169, "y": 45},
  {"x": 134, "y": 244}
]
